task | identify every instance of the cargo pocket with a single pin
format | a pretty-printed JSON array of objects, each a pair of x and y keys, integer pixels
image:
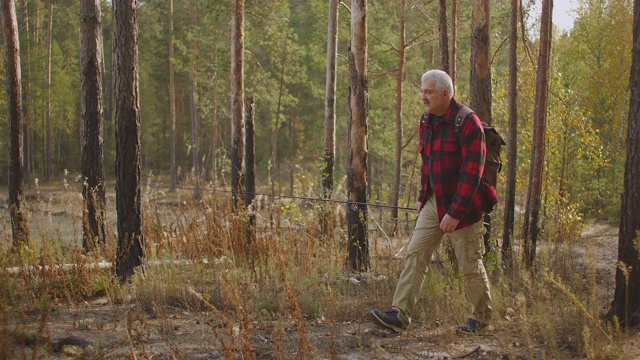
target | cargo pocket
[{"x": 475, "y": 243}]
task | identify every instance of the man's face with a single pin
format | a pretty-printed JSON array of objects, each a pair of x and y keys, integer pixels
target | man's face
[{"x": 436, "y": 102}]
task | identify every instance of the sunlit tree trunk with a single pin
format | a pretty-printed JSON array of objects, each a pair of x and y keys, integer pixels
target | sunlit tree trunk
[
  {"x": 480, "y": 87},
  {"x": 626, "y": 299},
  {"x": 512, "y": 144},
  {"x": 172, "y": 102},
  {"x": 532, "y": 210},
  {"x": 19, "y": 225},
  {"x": 357, "y": 216},
  {"x": 47, "y": 142},
  {"x": 399, "y": 88},
  {"x": 454, "y": 40},
  {"x": 26, "y": 96},
  {"x": 444, "y": 36},
  {"x": 93, "y": 191},
  {"x": 237, "y": 100},
  {"x": 130, "y": 253}
]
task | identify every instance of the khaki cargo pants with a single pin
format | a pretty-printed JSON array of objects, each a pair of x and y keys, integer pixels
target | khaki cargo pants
[{"x": 469, "y": 249}]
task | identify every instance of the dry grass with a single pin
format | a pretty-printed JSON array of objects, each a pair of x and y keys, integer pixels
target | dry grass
[{"x": 210, "y": 292}]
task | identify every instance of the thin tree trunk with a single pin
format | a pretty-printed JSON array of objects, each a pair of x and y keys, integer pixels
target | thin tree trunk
[
  {"x": 131, "y": 251},
  {"x": 292, "y": 140},
  {"x": 172, "y": 102},
  {"x": 250, "y": 162},
  {"x": 47, "y": 142},
  {"x": 93, "y": 191},
  {"x": 330, "y": 101},
  {"x": 26, "y": 97},
  {"x": 444, "y": 43},
  {"x": 19, "y": 225},
  {"x": 357, "y": 215},
  {"x": 454, "y": 40},
  {"x": 512, "y": 144},
  {"x": 276, "y": 124},
  {"x": 214, "y": 116},
  {"x": 532, "y": 211},
  {"x": 399, "y": 88},
  {"x": 237, "y": 101},
  {"x": 194, "y": 117}
]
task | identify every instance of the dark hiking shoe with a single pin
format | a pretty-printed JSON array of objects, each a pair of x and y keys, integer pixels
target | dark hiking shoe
[
  {"x": 471, "y": 326},
  {"x": 388, "y": 319}
]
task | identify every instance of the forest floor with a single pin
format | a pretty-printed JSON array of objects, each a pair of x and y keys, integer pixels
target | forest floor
[{"x": 116, "y": 330}]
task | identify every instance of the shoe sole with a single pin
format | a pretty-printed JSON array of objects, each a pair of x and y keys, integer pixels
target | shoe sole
[{"x": 381, "y": 322}]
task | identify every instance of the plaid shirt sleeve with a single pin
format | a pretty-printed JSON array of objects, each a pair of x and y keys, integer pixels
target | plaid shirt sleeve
[{"x": 473, "y": 151}]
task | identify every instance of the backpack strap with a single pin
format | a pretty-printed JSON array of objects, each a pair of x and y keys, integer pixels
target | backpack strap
[{"x": 461, "y": 115}]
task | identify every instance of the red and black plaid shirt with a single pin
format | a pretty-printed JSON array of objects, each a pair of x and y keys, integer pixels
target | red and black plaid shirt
[{"x": 458, "y": 164}]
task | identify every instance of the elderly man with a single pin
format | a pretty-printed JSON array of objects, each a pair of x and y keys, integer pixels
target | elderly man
[{"x": 452, "y": 201}]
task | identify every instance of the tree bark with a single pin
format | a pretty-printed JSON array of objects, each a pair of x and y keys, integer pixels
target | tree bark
[
  {"x": 399, "y": 88},
  {"x": 237, "y": 100},
  {"x": 454, "y": 40},
  {"x": 131, "y": 250},
  {"x": 26, "y": 97},
  {"x": 172, "y": 102},
  {"x": 93, "y": 191},
  {"x": 19, "y": 225},
  {"x": 357, "y": 217},
  {"x": 194, "y": 117},
  {"x": 250, "y": 163},
  {"x": 480, "y": 99},
  {"x": 480, "y": 87},
  {"x": 444, "y": 36},
  {"x": 47, "y": 142},
  {"x": 512, "y": 144},
  {"x": 330, "y": 101},
  {"x": 532, "y": 211},
  {"x": 626, "y": 299}
]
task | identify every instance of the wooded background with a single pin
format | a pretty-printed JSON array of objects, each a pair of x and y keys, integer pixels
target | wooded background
[{"x": 285, "y": 62}]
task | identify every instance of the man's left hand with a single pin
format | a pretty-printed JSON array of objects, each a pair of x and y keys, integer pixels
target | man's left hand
[{"x": 448, "y": 224}]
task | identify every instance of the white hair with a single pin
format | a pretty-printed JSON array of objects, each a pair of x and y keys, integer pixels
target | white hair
[{"x": 442, "y": 79}]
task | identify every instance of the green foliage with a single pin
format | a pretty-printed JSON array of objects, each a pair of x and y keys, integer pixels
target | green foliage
[{"x": 285, "y": 59}]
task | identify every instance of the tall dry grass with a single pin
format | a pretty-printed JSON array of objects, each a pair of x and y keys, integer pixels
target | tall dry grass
[{"x": 285, "y": 275}]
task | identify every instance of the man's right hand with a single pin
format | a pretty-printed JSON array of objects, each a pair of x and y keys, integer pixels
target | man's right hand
[{"x": 419, "y": 206}]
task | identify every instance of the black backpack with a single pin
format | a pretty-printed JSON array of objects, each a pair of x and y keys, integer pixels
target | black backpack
[{"x": 494, "y": 141}]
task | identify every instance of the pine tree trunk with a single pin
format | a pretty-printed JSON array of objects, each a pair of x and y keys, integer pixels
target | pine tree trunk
[
  {"x": 480, "y": 87},
  {"x": 172, "y": 102},
  {"x": 26, "y": 97},
  {"x": 250, "y": 163},
  {"x": 47, "y": 142},
  {"x": 93, "y": 190},
  {"x": 330, "y": 101},
  {"x": 399, "y": 88},
  {"x": 532, "y": 211},
  {"x": 357, "y": 216},
  {"x": 237, "y": 101},
  {"x": 626, "y": 299},
  {"x": 480, "y": 99},
  {"x": 512, "y": 143},
  {"x": 444, "y": 37},
  {"x": 131, "y": 251},
  {"x": 19, "y": 225},
  {"x": 454, "y": 40},
  {"x": 194, "y": 118}
]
